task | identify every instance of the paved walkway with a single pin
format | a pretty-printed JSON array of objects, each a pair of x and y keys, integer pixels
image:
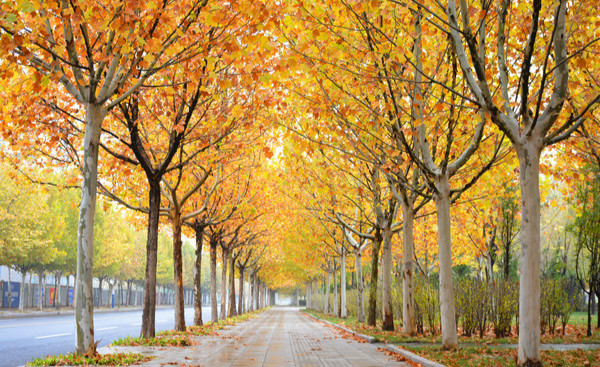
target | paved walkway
[{"x": 279, "y": 337}]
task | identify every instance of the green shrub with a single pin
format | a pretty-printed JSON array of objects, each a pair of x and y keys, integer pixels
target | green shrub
[
  {"x": 427, "y": 305},
  {"x": 556, "y": 303},
  {"x": 397, "y": 297},
  {"x": 504, "y": 304},
  {"x": 472, "y": 305}
]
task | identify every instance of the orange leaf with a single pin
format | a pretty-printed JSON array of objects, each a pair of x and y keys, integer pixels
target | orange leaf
[{"x": 179, "y": 128}]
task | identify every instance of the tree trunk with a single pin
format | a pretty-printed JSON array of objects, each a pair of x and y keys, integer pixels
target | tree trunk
[
  {"x": 119, "y": 294},
  {"x": 360, "y": 286},
  {"x": 408, "y": 291},
  {"x": 489, "y": 260},
  {"x": 258, "y": 295},
  {"x": 255, "y": 291},
  {"x": 251, "y": 291},
  {"x": 372, "y": 316},
  {"x": 178, "y": 271},
  {"x": 309, "y": 295},
  {"x": 529, "y": 285},
  {"x": 84, "y": 312},
  {"x": 597, "y": 313},
  {"x": 335, "y": 291},
  {"x": 225, "y": 261},
  {"x": 214, "y": 314},
  {"x": 149, "y": 313},
  {"x": 100, "y": 281},
  {"x": 240, "y": 309},
  {"x": 386, "y": 254},
  {"x": 129, "y": 293},
  {"x": 448, "y": 312},
  {"x": 30, "y": 289},
  {"x": 21, "y": 291},
  {"x": 589, "y": 312},
  {"x": 326, "y": 309},
  {"x": 111, "y": 288},
  {"x": 198, "y": 276},
  {"x": 232, "y": 305},
  {"x": 506, "y": 260},
  {"x": 56, "y": 299},
  {"x": 9, "y": 289},
  {"x": 344, "y": 310},
  {"x": 41, "y": 290}
]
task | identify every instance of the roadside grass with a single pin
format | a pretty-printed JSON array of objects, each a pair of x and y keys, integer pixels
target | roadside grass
[
  {"x": 580, "y": 319},
  {"x": 482, "y": 352},
  {"x": 158, "y": 341},
  {"x": 118, "y": 359},
  {"x": 575, "y": 333},
  {"x": 502, "y": 357},
  {"x": 174, "y": 338}
]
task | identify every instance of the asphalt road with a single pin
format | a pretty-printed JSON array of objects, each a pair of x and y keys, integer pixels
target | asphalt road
[{"x": 23, "y": 339}]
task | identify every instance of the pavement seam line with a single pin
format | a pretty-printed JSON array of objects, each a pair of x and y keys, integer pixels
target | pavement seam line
[{"x": 391, "y": 347}]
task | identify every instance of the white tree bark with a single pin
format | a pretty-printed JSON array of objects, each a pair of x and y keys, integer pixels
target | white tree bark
[
  {"x": 386, "y": 276},
  {"x": 224, "y": 283},
  {"x": 358, "y": 248},
  {"x": 360, "y": 288},
  {"x": 335, "y": 290},
  {"x": 326, "y": 308},
  {"x": 22, "y": 291},
  {"x": 448, "y": 312},
  {"x": 529, "y": 286},
  {"x": 309, "y": 295},
  {"x": 344, "y": 311},
  {"x": 408, "y": 292},
  {"x": 84, "y": 311},
  {"x": 255, "y": 295},
  {"x": 57, "y": 304},
  {"x": 41, "y": 290}
]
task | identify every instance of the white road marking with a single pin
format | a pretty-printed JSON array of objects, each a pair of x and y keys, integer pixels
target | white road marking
[
  {"x": 36, "y": 324},
  {"x": 157, "y": 321},
  {"x": 137, "y": 324},
  {"x": 52, "y": 336},
  {"x": 107, "y": 328}
]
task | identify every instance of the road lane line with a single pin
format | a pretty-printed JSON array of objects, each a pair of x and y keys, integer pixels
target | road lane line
[
  {"x": 52, "y": 336},
  {"x": 35, "y": 324},
  {"x": 107, "y": 328},
  {"x": 157, "y": 321}
]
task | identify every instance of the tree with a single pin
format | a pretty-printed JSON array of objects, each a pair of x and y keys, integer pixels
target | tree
[
  {"x": 177, "y": 220},
  {"x": 508, "y": 208},
  {"x": 101, "y": 53},
  {"x": 249, "y": 257},
  {"x": 586, "y": 228},
  {"x": 24, "y": 245},
  {"x": 531, "y": 124}
]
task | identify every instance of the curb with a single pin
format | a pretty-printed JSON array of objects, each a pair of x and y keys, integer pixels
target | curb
[
  {"x": 391, "y": 347},
  {"x": 413, "y": 357}
]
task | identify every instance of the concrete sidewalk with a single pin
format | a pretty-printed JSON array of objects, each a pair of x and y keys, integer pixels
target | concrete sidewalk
[{"x": 279, "y": 337}]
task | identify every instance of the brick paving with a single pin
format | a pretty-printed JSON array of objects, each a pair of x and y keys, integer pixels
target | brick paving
[{"x": 281, "y": 336}]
